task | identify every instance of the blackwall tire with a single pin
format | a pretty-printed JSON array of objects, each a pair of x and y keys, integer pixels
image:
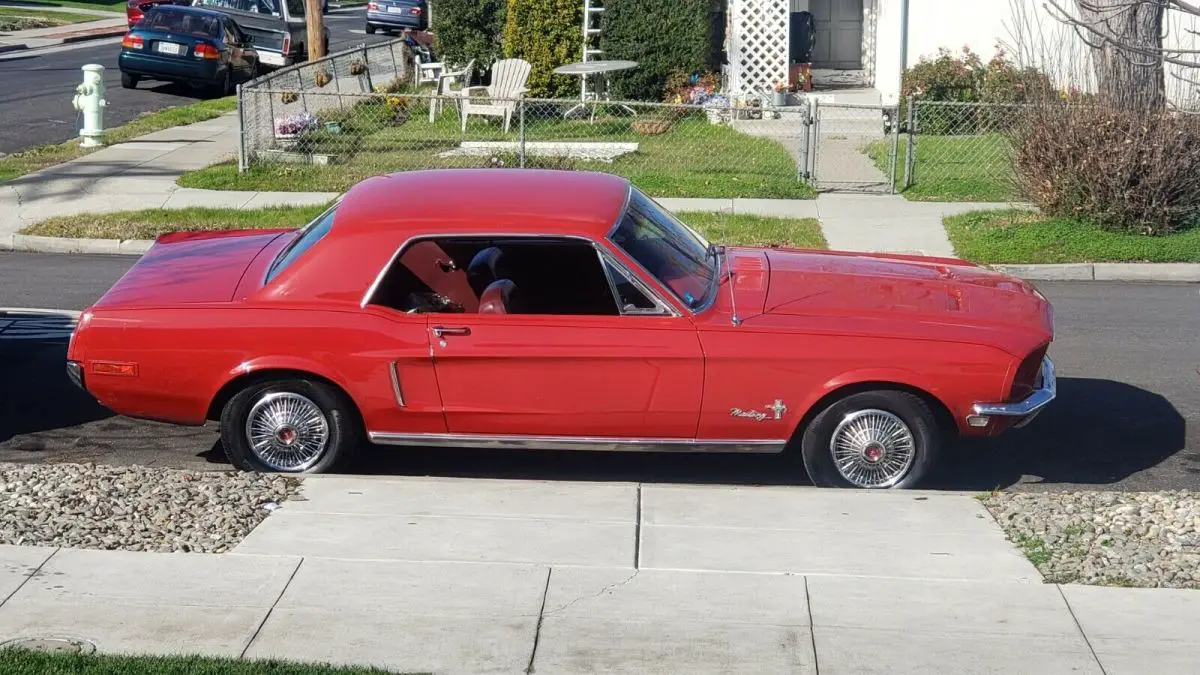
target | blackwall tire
[
  {"x": 872, "y": 440},
  {"x": 289, "y": 426}
]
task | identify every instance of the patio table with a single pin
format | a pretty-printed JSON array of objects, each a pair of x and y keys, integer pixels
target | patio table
[{"x": 585, "y": 69}]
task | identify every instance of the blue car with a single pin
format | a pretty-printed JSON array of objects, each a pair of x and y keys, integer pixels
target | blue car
[
  {"x": 195, "y": 46},
  {"x": 396, "y": 15}
]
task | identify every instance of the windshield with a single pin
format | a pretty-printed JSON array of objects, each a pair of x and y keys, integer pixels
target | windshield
[
  {"x": 311, "y": 234},
  {"x": 668, "y": 249}
]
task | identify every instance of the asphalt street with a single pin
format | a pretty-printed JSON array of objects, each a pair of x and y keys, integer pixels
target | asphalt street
[
  {"x": 38, "y": 85},
  {"x": 1127, "y": 416}
]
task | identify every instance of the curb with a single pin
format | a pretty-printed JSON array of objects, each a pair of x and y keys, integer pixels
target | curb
[
  {"x": 13, "y": 47},
  {"x": 1177, "y": 272}
]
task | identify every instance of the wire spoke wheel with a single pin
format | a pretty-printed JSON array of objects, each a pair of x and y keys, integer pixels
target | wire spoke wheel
[
  {"x": 873, "y": 448},
  {"x": 287, "y": 431}
]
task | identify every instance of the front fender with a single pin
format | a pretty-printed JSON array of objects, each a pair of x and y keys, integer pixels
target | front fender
[{"x": 897, "y": 376}]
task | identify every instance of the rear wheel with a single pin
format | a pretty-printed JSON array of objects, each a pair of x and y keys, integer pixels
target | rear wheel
[
  {"x": 129, "y": 81},
  {"x": 370, "y": 29},
  {"x": 289, "y": 426},
  {"x": 871, "y": 440}
]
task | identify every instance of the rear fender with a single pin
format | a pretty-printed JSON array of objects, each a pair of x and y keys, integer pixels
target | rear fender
[{"x": 247, "y": 369}]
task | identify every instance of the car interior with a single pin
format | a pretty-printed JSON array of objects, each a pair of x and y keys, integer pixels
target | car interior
[{"x": 503, "y": 276}]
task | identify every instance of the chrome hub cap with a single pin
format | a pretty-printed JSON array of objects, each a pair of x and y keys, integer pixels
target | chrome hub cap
[
  {"x": 287, "y": 432},
  {"x": 873, "y": 448}
]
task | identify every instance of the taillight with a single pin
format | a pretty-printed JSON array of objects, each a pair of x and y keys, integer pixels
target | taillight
[
  {"x": 206, "y": 51},
  {"x": 415, "y": 10},
  {"x": 287, "y": 44},
  {"x": 131, "y": 41},
  {"x": 373, "y": 6}
]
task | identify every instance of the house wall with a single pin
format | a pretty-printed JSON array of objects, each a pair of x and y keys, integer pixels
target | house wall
[{"x": 1028, "y": 32}]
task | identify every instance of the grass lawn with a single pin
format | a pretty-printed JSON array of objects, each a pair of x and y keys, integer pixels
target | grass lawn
[
  {"x": 25, "y": 662},
  {"x": 1016, "y": 236},
  {"x": 952, "y": 168},
  {"x": 40, "y": 157},
  {"x": 18, "y": 18},
  {"x": 692, "y": 159},
  {"x": 732, "y": 229},
  {"x": 116, "y": 6}
]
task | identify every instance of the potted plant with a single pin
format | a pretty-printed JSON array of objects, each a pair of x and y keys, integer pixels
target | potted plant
[
  {"x": 357, "y": 67},
  {"x": 322, "y": 77},
  {"x": 780, "y": 97}
]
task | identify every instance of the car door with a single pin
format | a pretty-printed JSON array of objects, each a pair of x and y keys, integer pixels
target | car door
[
  {"x": 242, "y": 58},
  {"x": 560, "y": 361}
]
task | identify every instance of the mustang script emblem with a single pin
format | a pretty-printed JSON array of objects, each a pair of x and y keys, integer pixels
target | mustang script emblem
[{"x": 773, "y": 411}]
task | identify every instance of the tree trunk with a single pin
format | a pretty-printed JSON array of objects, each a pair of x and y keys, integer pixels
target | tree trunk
[{"x": 1127, "y": 56}]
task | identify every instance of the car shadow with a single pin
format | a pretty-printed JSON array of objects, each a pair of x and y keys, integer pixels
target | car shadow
[
  {"x": 35, "y": 393},
  {"x": 1097, "y": 432}
]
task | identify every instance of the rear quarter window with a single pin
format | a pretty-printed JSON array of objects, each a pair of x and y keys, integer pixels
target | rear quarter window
[{"x": 308, "y": 237}]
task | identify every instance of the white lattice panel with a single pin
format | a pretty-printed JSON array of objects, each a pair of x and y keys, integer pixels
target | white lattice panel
[{"x": 758, "y": 54}]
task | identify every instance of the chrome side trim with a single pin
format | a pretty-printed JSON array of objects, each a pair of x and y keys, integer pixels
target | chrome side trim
[
  {"x": 577, "y": 443},
  {"x": 394, "y": 371},
  {"x": 1034, "y": 403}
]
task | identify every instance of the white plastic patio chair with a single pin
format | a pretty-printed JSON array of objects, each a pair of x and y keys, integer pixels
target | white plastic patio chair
[
  {"x": 509, "y": 77},
  {"x": 445, "y": 88}
]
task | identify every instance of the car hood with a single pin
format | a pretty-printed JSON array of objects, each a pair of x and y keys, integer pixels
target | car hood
[
  {"x": 188, "y": 268},
  {"x": 894, "y": 288}
]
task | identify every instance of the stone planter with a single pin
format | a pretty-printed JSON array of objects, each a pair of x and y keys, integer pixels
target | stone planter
[{"x": 291, "y": 157}]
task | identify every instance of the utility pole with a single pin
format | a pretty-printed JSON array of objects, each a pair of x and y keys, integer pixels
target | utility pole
[{"x": 316, "y": 29}]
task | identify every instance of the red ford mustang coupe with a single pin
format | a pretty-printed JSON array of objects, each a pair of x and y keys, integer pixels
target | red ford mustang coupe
[{"x": 559, "y": 309}]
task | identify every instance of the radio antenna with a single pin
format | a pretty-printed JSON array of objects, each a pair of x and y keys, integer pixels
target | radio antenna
[{"x": 732, "y": 291}]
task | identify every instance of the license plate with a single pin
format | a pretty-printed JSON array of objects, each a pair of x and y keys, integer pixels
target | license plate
[
  {"x": 168, "y": 48},
  {"x": 273, "y": 59},
  {"x": 395, "y": 10}
]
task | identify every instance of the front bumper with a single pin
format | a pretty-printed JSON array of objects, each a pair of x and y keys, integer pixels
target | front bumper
[{"x": 1026, "y": 409}]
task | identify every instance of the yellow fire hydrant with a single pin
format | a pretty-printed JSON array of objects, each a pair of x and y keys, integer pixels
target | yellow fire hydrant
[{"x": 89, "y": 100}]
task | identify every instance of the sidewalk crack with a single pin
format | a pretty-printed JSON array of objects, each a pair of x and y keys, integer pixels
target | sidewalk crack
[
  {"x": 597, "y": 594},
  {"x": 1086, "y": 639},
  {"x": 537, "y": 632},
  {"x": 271, "y": 610},
  {"x": 29, "y": 576},
  {"x": 812, "y": 629}
]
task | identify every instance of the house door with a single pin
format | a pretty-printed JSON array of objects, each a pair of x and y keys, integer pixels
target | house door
[{"x": 839, "y": 31}]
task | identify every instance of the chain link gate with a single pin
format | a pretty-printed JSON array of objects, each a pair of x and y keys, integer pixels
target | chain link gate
[{"x": 852, "y": 147}]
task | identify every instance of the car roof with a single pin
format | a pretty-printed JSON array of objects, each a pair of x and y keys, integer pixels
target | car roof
[{"x": 486, "y": 201}]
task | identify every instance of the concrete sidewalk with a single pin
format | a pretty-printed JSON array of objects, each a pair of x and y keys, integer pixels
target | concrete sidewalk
[
  {"x": 107, "y": 24},
  {"x": 483, "y": 576}
]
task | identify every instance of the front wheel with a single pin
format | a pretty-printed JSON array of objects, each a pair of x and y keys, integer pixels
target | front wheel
[
  {"x": 871, "y": 440},
  {"x": 289, "y": 426}
]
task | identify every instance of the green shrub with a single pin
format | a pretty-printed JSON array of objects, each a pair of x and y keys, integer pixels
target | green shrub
[
  {"x": 965, "y": 78},
  {"x": 662, "y": 36},
  {"x": 547, "y": 34},
  {"x": 470, "y": 29}
]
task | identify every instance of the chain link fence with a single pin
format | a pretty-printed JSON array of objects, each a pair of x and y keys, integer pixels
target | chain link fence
[
  {"x": 283, "y": 103},
  {"x": 959, "y": 149},
  {"x": 681, "y": 150}
]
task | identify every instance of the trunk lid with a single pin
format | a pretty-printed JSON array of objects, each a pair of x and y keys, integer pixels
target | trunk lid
[{"x": 189, "y": 268}]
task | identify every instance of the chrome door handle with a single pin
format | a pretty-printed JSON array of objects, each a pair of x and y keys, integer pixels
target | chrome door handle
[{"x": 443, "y": 331}]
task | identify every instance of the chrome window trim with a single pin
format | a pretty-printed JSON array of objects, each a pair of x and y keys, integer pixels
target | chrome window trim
[
  {"x": 266, "y": 280},
  {"x": 374, "y": 287},
  {"x": 394, "y": 371},
  {"x": 1032, "y": 404},
  {"x": 661, "y": 308},
  {"x": 585, "y": 443}
]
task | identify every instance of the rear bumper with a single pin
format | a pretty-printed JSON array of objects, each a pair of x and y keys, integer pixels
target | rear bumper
[
  {"x": 168, "y": 68},
  {"x": 75, "y": 372},
  {"x": 402, "y": 20},
  {"x": 1024, "y": 410}
]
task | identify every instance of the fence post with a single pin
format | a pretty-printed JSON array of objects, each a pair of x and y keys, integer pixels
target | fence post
[
  {"x": 521, "y": 131},
  {"x": 815, "y": 146},
  {"x": 242, "y": 164},
  {"x": 895, "y": 150},
  {"x": 910, "y": 151},
  {"x": 804, "y": 173}
]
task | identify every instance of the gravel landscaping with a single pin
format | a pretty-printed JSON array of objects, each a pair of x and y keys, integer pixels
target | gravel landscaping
[
  {"x": 1149, "y": 539},
  {"x": 134, "y": 508}
]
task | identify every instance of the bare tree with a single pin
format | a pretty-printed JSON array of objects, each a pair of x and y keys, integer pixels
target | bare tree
[{"x": 1129, "y": 46}]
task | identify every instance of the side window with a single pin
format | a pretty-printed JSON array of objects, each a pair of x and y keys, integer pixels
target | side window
[
  {"x": 523, "y": 275},
  {"x": 631, "y": 297}
]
